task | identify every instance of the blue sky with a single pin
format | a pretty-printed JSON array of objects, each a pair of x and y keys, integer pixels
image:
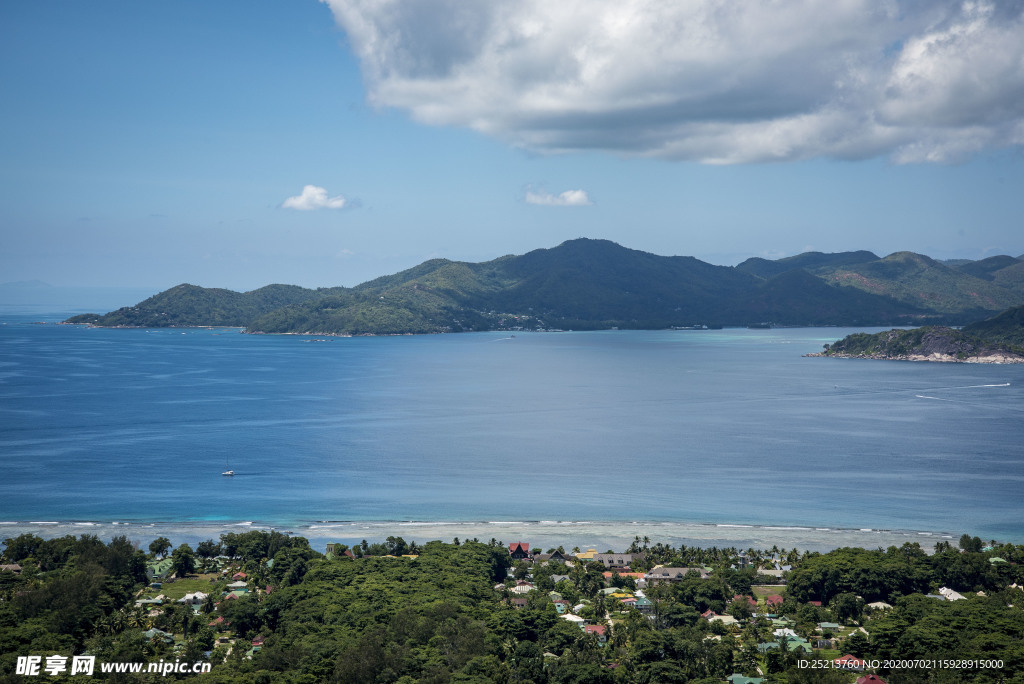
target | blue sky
[{"x": 148, "y": 144}]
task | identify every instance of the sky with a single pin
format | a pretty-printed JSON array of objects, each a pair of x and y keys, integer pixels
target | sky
[{"x": 236, "y": 144}]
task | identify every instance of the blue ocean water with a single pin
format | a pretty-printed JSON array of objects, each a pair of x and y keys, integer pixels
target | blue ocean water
[{"x": 727, "y": 426}]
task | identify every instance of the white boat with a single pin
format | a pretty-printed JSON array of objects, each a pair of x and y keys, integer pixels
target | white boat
[{"x": 228, "y": 471}]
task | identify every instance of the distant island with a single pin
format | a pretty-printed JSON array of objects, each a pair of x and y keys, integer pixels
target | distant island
[
  {"x": 587, "y": 284},
  {"x": 997, "y": 340}
]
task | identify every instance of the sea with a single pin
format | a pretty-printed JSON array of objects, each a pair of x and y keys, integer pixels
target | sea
[{"x": 727, "y": 437}]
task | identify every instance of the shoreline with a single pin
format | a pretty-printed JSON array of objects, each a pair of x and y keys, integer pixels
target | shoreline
[
  {"x": 1007, "y": 358},
  {"x": 600, "y": 535}
]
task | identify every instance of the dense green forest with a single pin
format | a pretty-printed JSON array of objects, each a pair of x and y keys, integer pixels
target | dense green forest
[
  {"x": 596, "y": 284},
  {"x": 265, "y": 607}
]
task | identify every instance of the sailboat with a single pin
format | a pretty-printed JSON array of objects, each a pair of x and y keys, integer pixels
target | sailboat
[{"x": 227, "y": 468}]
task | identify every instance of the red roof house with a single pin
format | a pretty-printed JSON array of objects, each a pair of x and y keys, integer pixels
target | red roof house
[
  {"x": 519, "y": 550},
  {"x": 750, "y": 601}
]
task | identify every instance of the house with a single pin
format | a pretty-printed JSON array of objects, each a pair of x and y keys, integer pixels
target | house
[
  {"x": 849, "y": 662},
  {"x": 796, "y": 643},
  {"x": 519, "y": 551},
  {"x": 636, "y": 576},
  {"x": 773, "y": 601},
  {"x": 237, "y": 585},
  {"x": 149, "y": 602},
  {"x": 158, "y": 635},
  {"x": 11, "y": 567},
  {"x": 558, "y": 578},
  {"x": 644, "y": 604},
  {"x": 712, "y": 616},
  {"x": 587, "y": 555},
  {"x": 870, "y": 679},
  {"x": 662, "y": 574},
  {"x": 828, "y": 626},
  {"x": 239, "y": 576},
  {"x": 576, "y": 619},
  {"x": 333, "y": 551},
  {"x": 597, "y": 630},
  {"x": 750, "y": 601},
  {"x": 951, "y": 595},
  {"x": 522, "y": 587},
  {"x": 617, "y": 560},
  {"x": 519, "y": 602},
  {"x": 879, "y": 605},
  {"x": 158, "y": 570},
  {"x": 257, "y": 640},
  {"x": 194, "y": 599},
  {"x": 743, "y": 679},
  {"x": 555, "y": 556}
]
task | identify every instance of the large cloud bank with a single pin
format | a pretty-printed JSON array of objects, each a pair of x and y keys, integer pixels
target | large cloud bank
[{"x": 704, "y": 80}]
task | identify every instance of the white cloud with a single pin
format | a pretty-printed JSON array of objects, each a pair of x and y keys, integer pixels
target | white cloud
[
  {"x": 569, "y": 198},
  {"x": 760, "y": 80},
  {"x": 313, "y": 197}
]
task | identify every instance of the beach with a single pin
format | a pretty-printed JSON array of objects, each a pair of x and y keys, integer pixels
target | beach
[{"x": 600, "y": 535}]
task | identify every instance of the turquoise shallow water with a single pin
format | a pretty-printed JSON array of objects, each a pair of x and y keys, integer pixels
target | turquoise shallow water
[{"x": 706, "y": 427}]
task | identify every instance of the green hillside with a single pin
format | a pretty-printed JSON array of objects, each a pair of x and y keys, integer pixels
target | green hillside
[
  {"x": 591, "y": 284},
  {"x": 922, "y": 282},
  {"x": 999, "y": 339},
  {"x": 1006, "y": 328},
  {"x": 191, "y": 305}
]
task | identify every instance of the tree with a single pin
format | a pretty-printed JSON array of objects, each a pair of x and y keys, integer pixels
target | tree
[
  {"x": 857, "y": 644},
  {"x": 208, "y": 549},
  {"x": 969, "y": 543},
  {"x": 160, "y": 546},
  {"x": 183, "y": 561}
]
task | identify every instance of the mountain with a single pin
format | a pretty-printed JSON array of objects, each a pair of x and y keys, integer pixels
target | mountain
[
  {"x": 808, "y": 261},
  {"x": 986, "y": 269},
  {"x": 919, "y": 281},
  {"x": 191, "y": 305},
  {"x": 1006, "y": 328},
  {"x": 591, "y": 284}
]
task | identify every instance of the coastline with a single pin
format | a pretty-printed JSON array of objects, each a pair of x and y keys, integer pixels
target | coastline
[
  {"x": 1007, "y": 358},
  {"x": 600, "y": 535}
]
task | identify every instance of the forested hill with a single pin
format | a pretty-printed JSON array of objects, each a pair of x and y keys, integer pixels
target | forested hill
[
  {"x": 594, "y": 284},
  {"x": 997, "y": 340}
]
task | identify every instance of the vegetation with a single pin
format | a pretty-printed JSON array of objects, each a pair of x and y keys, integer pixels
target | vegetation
[
  {"x": 1005, "y": 329},
  {"x": 394, "y": 611},
  {"x": 592, "y": 284},
  {"x": 988, "y": 339}
]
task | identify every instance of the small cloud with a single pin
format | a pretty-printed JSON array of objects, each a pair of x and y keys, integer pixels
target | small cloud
[
  {"x": 313, "y": 197},
  {"x": 569, "y": 198}
]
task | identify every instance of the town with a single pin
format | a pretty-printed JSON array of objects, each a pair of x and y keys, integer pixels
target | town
[{"x": 263, "y": 606}]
